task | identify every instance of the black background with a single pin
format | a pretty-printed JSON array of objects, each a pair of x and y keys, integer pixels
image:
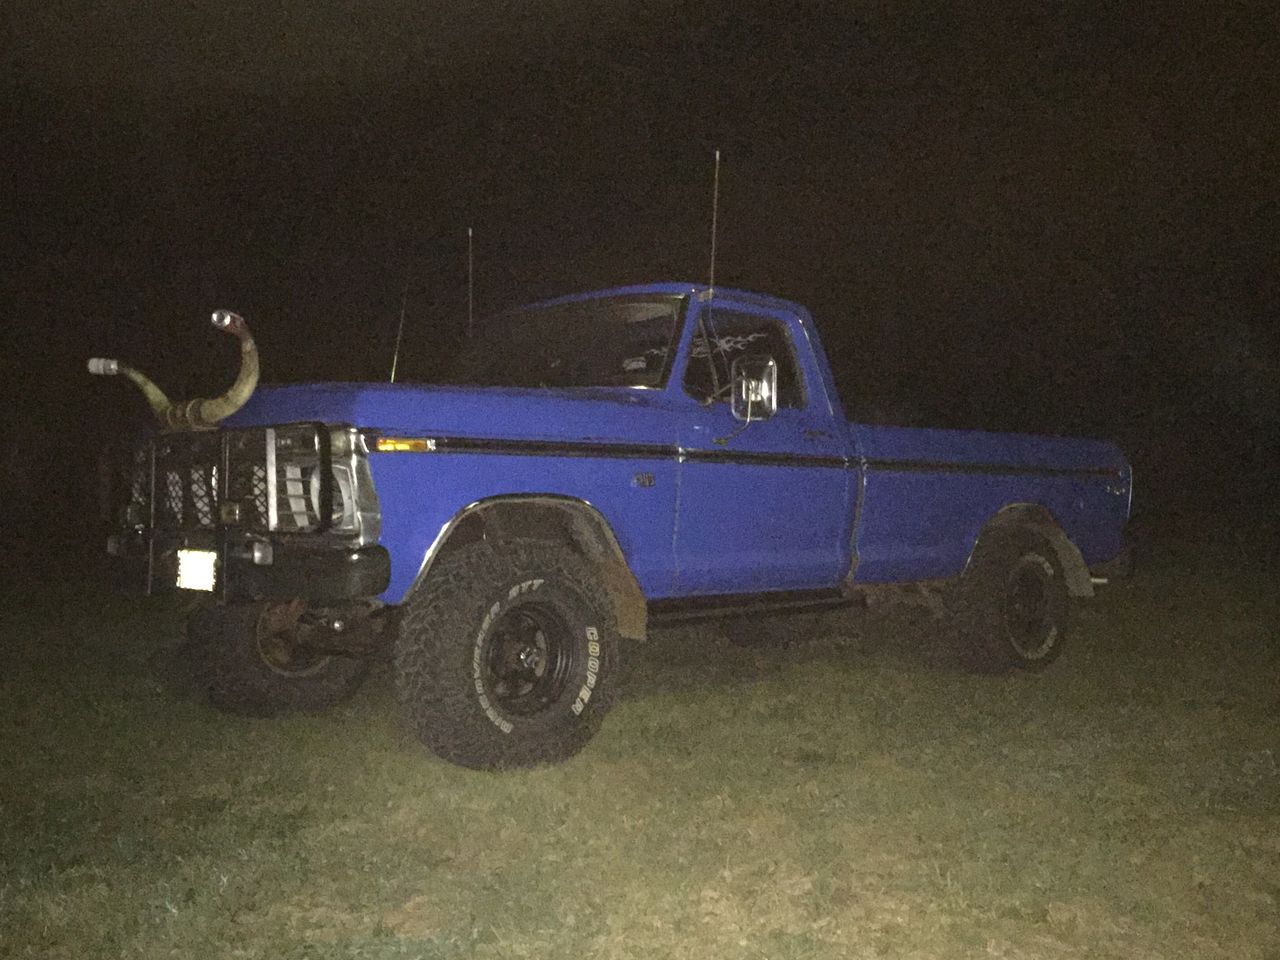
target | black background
[{"x": 1054, "y": 217}]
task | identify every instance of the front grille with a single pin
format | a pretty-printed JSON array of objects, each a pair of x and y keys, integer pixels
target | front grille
[{"x": 186, "y": 472}]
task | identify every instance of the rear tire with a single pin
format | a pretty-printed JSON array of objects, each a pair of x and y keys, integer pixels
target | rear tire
[
  {"x": 245, "y": 672},
  {"x": 507, "y": 655},
  {"x": 1011, "y": 607}
]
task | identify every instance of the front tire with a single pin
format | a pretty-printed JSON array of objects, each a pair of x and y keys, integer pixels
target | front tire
[
  {"x": 247, "y": 671},
  {"x": 507, "y": 655},
  {"x": 1012, "y": 605}
]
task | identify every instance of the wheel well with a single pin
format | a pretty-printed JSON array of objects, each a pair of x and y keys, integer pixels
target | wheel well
[
  {"x": 1034, "y": 516},
  {"x": 564, "y": 520}
]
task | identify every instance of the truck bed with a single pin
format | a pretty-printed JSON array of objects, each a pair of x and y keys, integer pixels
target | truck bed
[{"x": 926, "y": 494}]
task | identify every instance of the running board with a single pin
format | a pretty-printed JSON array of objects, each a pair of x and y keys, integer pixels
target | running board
[{"x": 745, "y": 604}]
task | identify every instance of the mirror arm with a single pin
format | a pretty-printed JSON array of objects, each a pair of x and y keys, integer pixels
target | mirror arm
[{"x": 721, "y": 441}]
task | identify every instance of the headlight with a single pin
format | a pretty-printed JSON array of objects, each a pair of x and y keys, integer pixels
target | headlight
[{"x": 297, "y": 489}]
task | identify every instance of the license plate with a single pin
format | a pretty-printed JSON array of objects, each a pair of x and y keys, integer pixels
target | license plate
[{"x": 197, "y": 569}]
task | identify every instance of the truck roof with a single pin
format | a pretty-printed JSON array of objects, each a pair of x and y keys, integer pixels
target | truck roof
[{"x": 672, "y": 288}]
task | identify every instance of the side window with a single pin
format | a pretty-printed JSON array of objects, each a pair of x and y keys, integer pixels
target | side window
[{"x": 733, "y": 335}]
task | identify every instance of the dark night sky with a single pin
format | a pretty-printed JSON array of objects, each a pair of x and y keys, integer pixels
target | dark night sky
[{"x": 1046, "y": 216}]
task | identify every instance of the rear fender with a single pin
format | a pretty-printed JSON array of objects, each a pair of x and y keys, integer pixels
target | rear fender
[{"x": 1036, "y": 517}]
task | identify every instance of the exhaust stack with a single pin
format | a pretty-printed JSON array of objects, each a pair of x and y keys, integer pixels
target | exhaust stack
[{"x": 198, "y": 414}]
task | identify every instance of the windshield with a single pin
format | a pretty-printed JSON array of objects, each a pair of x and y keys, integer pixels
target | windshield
[{"x": 605, "y": 342}]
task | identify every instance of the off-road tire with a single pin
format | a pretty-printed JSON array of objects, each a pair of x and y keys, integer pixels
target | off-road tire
[
  {"x": 1011, "y": 607},
  {"x": 227, "y": 656},
  {"x": 473, "y": 636}
]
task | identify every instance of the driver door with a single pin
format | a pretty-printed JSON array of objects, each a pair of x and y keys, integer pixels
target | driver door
[{"x": 763, "y": 506}]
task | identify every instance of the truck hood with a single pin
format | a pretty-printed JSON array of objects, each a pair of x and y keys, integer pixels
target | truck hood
[{"x": 517, "y": 413}]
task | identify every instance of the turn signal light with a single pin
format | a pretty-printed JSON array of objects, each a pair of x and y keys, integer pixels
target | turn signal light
[{"x": 405, "y": 445}]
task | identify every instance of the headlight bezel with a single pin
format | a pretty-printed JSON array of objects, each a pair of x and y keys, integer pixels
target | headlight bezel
[{"x": 319, "y": 482}]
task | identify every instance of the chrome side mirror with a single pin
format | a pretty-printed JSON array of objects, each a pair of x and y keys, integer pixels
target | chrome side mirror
[{"x": 755, "y": 388}]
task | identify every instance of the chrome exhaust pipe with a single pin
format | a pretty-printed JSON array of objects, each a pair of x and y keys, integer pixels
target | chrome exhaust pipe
[{"x": 198, "y": 414}]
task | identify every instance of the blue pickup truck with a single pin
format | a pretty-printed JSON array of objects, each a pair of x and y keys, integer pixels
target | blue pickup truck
[{"x": 581, "y": 467}]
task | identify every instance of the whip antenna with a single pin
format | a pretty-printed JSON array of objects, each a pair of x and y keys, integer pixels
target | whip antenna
[
  {"x": 706, "y": 325},
  {"x": 715, "y": 210},
  {"x": 404, "y": 299},
  {"x": 471, "y": 287}
]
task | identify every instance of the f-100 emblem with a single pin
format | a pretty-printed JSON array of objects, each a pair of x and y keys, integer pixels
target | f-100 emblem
[{"x": 642, "y": 480}]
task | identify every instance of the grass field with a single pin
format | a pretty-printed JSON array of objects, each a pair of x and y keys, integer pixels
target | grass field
[{"x": 849, "y": 797}]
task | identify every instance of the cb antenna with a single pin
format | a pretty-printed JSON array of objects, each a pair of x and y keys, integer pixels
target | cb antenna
[
  {"x": 471, "y": 286},
  {"x": 715, "y": 210},
  {"x": 404, "y": 299},
  {"x": 705, "y": 323}
]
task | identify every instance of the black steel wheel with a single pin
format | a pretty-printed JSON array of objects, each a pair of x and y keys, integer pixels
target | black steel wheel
[
  {"x": 527, "y": 659},
  {"x": 247, "y": 669},
  {"x": 1012, "y": 605},
  {"x": 1028, "y": 609},
  {"x": 506, "y": 655}
]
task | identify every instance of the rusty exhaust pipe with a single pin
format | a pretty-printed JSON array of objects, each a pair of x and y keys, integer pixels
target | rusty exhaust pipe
[{"x": 198, "y": 414}]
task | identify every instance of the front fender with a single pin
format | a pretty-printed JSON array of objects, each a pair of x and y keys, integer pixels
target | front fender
[{"x": 421, "y": 494}]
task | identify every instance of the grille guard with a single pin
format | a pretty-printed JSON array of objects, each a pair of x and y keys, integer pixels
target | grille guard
[
  {"x": 188, "y": 477},
  {"x": 179, "y": 484}
]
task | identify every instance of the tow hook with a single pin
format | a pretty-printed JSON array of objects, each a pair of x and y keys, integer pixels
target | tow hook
[
  {"x": 281, "y": 617},
  {"x": 277, "y": 636}
]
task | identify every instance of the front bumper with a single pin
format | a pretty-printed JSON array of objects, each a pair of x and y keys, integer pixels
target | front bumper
[{"x": 318, "y": 574}]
